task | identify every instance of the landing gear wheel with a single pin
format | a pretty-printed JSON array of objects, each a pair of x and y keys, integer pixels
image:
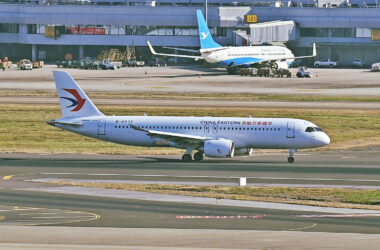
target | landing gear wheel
[
  {"x": 291, "y": 158},
  {"x": 186, "y": 157},
  {"x": 198, "y": 156}
]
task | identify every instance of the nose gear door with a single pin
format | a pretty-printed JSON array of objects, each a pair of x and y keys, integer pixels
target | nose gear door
[{"x": 290, "y": 133}]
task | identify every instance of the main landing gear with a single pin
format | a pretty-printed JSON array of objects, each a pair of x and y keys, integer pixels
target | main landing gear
[
  {"x": 186, "y": 157},
  {"x": 198, "y": 156},
  {"x": 291, "y": 158}
]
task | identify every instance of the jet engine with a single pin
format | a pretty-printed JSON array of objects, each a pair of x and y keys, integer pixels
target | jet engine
[
  {"x": 244, "y": 151},
  {"x": 219, "y": 148}
]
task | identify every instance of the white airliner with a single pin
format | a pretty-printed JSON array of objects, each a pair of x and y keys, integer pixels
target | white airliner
[
  {"x": 218, "y": 137},
  {"x": 236, "y": 57}
]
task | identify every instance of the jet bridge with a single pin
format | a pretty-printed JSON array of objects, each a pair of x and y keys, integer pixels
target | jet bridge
[{"x": 267, "y": 32}]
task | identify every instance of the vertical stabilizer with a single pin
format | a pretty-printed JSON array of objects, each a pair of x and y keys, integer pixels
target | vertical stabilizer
[
  {"x": 74, "y": 102},
  {"x": 204, "y": 33}
]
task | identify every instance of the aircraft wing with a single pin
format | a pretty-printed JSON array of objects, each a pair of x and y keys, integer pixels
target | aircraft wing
[
  {"x": 178, "y": 138},
  {"x": 174, "y": 55}
]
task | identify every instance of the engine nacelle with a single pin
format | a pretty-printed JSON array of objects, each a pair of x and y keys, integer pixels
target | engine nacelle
[
  {"x": 219, "y": 148},
  {"x": 244, "y": 151}
]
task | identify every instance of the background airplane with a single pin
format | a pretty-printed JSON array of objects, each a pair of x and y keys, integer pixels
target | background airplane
[
  {"x": 218, "y": 137},
  {"x": 234, "y": 57}
]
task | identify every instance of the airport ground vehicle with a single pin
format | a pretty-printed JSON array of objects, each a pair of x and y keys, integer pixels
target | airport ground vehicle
[
  {"x": 107, "y": 64},
  {"x": 24, "y": 64},
  {"x": 216, "y": 137},
  {"x": 358, "y": 63},
  {"x": 282, "y": 73},
  {"x": 326, "y": 63},
  {"x": 38, "y": 64},
  {"x": 134, "y": 63},
  {"x": 303, "y": 73},
  {"x": 5, "y": 63},
  {"x": 265, "y": 71},
  {"x": 375, "y": 67},
  {"x": 248, "y": 71}
]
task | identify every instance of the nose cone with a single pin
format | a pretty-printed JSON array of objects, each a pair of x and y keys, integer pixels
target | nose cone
[{"x": 323, "y": 139}]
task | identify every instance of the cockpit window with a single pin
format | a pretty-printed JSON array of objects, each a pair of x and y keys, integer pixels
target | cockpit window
[
  {"x": 313, "y": 129},
  {"x": 310, "y": 129}
]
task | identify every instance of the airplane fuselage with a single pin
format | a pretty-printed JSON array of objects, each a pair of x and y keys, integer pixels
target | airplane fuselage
[
  {"x": 274, "y": 133},
  {"x": 240, "y": 56}
]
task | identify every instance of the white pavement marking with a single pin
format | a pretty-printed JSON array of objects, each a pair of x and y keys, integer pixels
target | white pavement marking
[
  {"x": 124, "y": 194},
  {"x": 337, "y": 215}
]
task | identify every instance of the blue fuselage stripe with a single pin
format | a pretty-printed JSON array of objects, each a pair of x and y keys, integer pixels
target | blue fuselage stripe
[{"x": 240, "y": 61}]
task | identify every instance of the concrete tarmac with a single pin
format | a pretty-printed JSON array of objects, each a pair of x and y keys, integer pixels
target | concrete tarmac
[
  {"x": 342, "y": 82},
  {"x": 356, "y": 168}
]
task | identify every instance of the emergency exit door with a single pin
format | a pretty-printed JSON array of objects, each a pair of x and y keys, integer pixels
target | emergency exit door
[{"x": 101, "y": 127}]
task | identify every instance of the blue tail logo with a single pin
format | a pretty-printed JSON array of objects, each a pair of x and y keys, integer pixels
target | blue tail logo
[{"x": 204, "y": 33}]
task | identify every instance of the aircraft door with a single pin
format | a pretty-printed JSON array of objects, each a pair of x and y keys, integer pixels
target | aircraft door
[
  {"x": 291, "y": 130},
  {"x": 207, "y": 128},
  {"x": 101, "y": 127}
]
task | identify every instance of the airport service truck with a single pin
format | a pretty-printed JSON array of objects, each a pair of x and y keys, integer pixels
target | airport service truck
[
  {"x": 24, "y": 64},
  {"x": 326, "y": 63}
]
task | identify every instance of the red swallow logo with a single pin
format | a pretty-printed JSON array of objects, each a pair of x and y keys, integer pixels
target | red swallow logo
[{"x": 78, "y": 102}]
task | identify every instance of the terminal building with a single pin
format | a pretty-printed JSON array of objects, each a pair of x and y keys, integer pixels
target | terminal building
[{"x": 343, "y": 30}]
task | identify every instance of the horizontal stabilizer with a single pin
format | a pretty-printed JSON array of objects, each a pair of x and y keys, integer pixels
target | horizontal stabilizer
[{"x": 54, "y": 122}]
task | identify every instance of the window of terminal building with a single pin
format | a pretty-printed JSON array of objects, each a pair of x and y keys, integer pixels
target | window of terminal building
[
  {"x": 314, "y": 32},
  {"x": 221, "y": 31},
  {"x": 32, "y": 28},
  {"x": 343, "y": 32},
  {"x": 9, "y": 28},
  {"x": 186, "y": 31}
]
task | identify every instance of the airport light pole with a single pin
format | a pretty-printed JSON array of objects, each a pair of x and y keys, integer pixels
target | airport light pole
[{"x": 206, "y": 10}]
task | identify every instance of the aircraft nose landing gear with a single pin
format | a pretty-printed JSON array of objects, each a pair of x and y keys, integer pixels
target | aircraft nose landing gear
[{"x": 291, "y": 158}]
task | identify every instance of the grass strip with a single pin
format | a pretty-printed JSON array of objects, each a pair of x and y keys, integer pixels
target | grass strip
[
  {"x": 23, "y": 127},
  {"x": 201, "y": 96},
  {"x": 330, "y": 197}
]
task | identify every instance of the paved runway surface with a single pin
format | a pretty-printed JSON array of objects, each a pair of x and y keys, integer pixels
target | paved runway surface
[{"x": 351, "y": 168}]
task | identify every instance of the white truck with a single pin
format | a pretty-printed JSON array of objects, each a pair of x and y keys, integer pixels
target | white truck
[
  {"x": 358, "y": 63},
  {"x": 325, "y": 63},
  {"x": 303, "y": 73},
  {"x": 107, "y": 64},
  {"x": 24, "y": 64},
  {"x": 375, "y": 67}
]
